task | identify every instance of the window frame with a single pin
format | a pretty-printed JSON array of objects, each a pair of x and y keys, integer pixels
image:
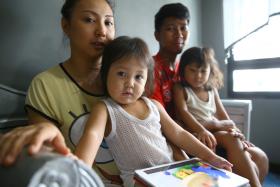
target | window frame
[{"x": 266, "y": 63}]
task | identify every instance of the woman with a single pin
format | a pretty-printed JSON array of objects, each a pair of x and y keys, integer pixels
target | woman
[{"x": 62, "y": 96}]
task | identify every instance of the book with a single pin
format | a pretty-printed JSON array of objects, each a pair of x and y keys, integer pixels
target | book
[{"x": 189, "y": 173}]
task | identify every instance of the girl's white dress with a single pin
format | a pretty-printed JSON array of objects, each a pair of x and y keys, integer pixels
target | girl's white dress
[
  {"x": 201, "y": 110},
  {"x": 136, "y": 143}
]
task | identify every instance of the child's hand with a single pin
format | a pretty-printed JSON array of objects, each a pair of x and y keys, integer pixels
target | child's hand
[
  {"x": 237, "y": 133},
  {"x": 207, "y": 138},
  {"x": 220, "y": 162},
  {"x": 229, "y": 125},
  {"x": 247, "y": 144},
  {"x": 226, "y": 125}
]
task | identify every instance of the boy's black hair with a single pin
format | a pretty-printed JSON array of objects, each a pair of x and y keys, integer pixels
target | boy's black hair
[
  {"x": 126, "y": 47},
  {"x": 176, "y": 10}
]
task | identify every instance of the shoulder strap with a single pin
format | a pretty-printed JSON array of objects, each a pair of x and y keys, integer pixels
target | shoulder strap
[{"x": 109, "y": 104}]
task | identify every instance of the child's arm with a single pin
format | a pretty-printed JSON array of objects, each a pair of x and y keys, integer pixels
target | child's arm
[
  {"x": 223, "y": 122},
  {"x": 221, "y": 113},
  {"x": 93, "y": 134},
  {"x": 189, "y": 120},
  {"x": 178, "y": 154},
  {"x": 186, "y": 141}
]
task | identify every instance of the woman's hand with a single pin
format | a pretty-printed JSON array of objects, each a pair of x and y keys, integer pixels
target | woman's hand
[
  {"x": 207, "y": 138},
  {"x": 12, "y": 143}
]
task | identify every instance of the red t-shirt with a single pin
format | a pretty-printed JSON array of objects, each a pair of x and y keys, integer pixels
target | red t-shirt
[{"x": 164, "y": 81}]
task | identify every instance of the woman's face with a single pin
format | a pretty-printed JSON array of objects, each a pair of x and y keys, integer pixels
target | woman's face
[{"x": 90, "y": 28}]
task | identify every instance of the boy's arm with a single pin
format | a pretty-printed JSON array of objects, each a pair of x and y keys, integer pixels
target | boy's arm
[
  {"x": 93, "y": 134},
  {"x": 186, "y": 141}
]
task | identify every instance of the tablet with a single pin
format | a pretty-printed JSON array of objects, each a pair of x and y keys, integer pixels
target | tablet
[{"x": 189, "y": 173}]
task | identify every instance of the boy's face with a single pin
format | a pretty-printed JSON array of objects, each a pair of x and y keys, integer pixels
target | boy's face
[{"x": 173, "y": 35}]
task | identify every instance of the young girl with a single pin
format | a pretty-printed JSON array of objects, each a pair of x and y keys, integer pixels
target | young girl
[
  {"x": 200, "y": 110},
  {"x": 133, "y": 125}
]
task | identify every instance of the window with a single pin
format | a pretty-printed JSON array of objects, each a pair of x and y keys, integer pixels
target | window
[{"x": 254, "y": 63}]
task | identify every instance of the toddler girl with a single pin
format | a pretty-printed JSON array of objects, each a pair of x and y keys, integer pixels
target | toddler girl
[{"x": 201, "y": 112}]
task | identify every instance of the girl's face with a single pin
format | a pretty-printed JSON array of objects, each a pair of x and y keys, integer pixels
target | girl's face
[
  {"x": 173, "y": 34},
  {"x": 90, "y": 28},
  {"x": 126, "y": 80},
  {"x": 196, "y": 76}
]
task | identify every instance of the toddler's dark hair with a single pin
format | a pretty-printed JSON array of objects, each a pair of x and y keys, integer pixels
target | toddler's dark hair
[
  {"x": 202, "y": 57},
  {"x": 126, "y": 47}
]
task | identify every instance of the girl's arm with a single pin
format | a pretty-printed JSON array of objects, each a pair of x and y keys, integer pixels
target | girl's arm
[
  {"x": 189, "y": 120},
  {"x": 221, "y": 113},
  {"x": 180, "y": 100},
  {"x": 93, "y": 134},
  {"x": 186, "y": 141},
  {"x": 223, "y": 122}
]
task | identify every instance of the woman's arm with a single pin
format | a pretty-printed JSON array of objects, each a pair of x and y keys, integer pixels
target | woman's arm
[
  {"x": 189, "y": 120},
  {"x": 186, "y": 141},
  {"x": 41, "y": 131},
  {"x": 93, "y": 134}
]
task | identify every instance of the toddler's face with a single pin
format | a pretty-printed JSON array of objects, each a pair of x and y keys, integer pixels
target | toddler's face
[
  {"x": 196, "y": 76},
  {"x": 126, "y": 80}
]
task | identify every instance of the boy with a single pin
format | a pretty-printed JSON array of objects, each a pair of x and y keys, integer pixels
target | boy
[{"x": 171, "y": 32}]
